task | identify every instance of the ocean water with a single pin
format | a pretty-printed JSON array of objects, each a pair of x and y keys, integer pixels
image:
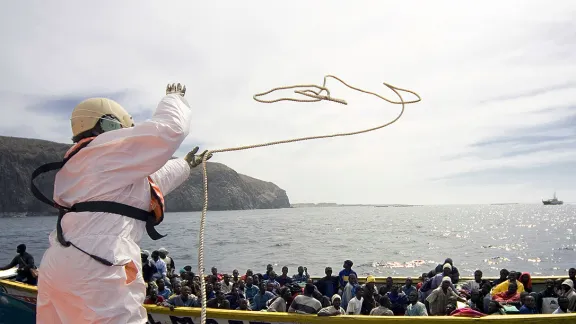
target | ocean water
[{"x": 380, "y": 241}]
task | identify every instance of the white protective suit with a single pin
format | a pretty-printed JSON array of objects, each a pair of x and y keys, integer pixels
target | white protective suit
[{"x": 73, "y": 287}]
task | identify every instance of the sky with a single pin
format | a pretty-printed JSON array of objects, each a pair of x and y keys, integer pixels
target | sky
[{"x": 496, "y": 123}]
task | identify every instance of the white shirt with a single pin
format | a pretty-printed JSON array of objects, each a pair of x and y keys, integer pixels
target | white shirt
[
  {"x": 354, "y": 306},
  {"x": 559, "y": 311},
  {"x": 161, "y": 268},
  {"x": 226, "y": 288}
]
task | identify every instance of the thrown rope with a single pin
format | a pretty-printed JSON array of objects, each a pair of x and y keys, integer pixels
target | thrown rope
[{"x": 315, "y": 97}]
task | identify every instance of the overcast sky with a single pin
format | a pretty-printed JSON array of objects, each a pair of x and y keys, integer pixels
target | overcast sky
[{"x": 497, "y": 79}]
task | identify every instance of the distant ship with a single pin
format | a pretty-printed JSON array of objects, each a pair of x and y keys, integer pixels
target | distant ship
[{"x": 553, "y": 201}]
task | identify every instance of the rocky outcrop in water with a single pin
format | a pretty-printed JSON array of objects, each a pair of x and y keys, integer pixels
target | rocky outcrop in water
[{"x": 228, "y": 190}]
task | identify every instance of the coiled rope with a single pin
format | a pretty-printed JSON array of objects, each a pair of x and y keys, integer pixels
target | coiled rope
[{"x": 314, "y": 97}]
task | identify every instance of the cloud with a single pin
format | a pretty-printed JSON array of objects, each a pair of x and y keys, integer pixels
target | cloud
[{"x": 497, "y": 88}]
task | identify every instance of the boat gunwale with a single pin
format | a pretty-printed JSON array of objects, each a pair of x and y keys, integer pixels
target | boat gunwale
[{"x": 271, "y": 317}]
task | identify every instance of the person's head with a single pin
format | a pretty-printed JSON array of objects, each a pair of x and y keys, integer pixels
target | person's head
[
  {"x": 21, "y": 248},
  {"x": 144, "y": 255},
  {"x": 227, "y": 279},
  {"x": 270, "y": 287},
  {"x": 478, "y": 276},
  {"x": 408, "y": 281},
  {"x": 494, "y": 307},
  {"x": 155, "y": 255},
  {"x": 214, "y": 271},
  {"x": 446, "y": 283},
  {"x": 449, "y": 261},
  {"x": 95, "y": 116},
  {"x": 523, "y": 297},
  {"x": 188, "y": 268},
  {"x": 563, "y": 303},
  {"x": 359, "y": 293},
  {"x": 243, "y": 304},
  {"x": 486, "y": 287},
  {"x": 177, "y": 286},
  {"x": 549, "y": 284},
  {"x": 336, "y": 301},
  {"x": 348, "y": 264},
  {"x": 395, "y": 290},
  {"x": 572, "y": 273},
  {"x": 249, "y": 281},
  {"x": 242, "y": 284},
  {"x": 284, "y": 271},
  {"x": 558, "y": 283},
  {"x": 413, "y": 296},
  {"x": 262, "y": 288},
  {"x": 385, "y": 301},
  {"x": 160, "y": 283},
  {"x": 163, "y": 252},
  {"x": 512, "y": 276},
  {"x": 249, "y": 273},
  {"x": 153, "y": 293},
  {"x": 447, "y": 269},
  {"x": 353, "y": 279},
  {"x": 424, "y": 276},
  {"x": 220, "y": 296},
  {"x": 300, "y": 270},
  {"x": 185, "y": 292},
  {"x": 272, "y": 275},
  {"x": 217, "y": 286},
  {"x": 235, "y": 273},
  {"x": 285, "y": 293},
  {"x": 269, "y": 268},
  {"x": 567, "y": 285},
  {"x": 328, "y": 271},
  {"x": 530, "y": 302},
  {"x": 512, "y": 288},
  {"x": 309, "y": 289},
  {"x": 389, "y": 281},
  {"x": 504, "y": 274},
  {"x": 525, "y": 279},
  {"x": 256, "y": 279},
  {"x": 370, "y": 282}
]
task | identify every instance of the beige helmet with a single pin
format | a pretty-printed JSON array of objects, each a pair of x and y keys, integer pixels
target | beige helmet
[{"x": 106, "y": 113}]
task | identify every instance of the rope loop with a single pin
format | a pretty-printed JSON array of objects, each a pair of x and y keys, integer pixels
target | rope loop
[{"x": 315, "y": 97}]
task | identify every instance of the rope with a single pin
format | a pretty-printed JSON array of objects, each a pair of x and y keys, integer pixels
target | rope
[{"x": 314, "y": 96}]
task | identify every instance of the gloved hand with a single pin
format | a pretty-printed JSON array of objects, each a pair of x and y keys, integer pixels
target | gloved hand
[
  {"x": 195, "y": 160},
  {"x": 176, "y": 88}
]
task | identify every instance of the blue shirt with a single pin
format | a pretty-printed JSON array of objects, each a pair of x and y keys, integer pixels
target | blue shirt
[
  {"x": 165, "y": 293},
  {"x": 526, "y": 310},
  {"x": 259, "y": 302},
  {"x": 250, "y": 292},
  {"x": 344, "y": 274}
]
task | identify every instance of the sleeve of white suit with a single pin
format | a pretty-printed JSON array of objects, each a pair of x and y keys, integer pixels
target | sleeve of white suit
[
  {"x": 171, "y": 175},
  {"x": 139, "y": 151}
]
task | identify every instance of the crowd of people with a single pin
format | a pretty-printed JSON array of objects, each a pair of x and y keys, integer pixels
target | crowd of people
[{"x": 437, "y": 292}]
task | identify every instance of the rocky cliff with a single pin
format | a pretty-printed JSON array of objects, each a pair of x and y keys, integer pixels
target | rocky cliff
[{"x": 228, "y": 190}]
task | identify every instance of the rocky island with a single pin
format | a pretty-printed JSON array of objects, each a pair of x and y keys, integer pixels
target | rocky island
[{"x": 228, "y": 190}]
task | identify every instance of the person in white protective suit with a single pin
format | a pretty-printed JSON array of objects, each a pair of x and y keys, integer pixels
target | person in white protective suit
[{"x": 110, "y": 191}]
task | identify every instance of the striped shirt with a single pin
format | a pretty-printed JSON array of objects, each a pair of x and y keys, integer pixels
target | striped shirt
[{"x": 305, "y": 305}]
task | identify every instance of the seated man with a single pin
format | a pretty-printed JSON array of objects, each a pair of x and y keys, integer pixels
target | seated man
[
  {"x": 511, "y": 296},
  {"x": 185, "y": 299},
  {"x": 25, "y": 263},
  {"x": 305, "y": 304}
]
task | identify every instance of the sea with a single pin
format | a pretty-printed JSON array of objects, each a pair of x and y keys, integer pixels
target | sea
[{"x": 381, "y": 241}]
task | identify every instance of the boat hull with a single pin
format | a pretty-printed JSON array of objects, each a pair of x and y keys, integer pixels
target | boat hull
[{"x": 18, "y": 305}]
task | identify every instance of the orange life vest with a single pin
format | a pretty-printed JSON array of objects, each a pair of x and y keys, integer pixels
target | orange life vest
[{"x": 152, "y": 217}]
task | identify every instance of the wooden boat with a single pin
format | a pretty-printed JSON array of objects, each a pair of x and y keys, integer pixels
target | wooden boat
[{"x": 18, "y": 305}]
